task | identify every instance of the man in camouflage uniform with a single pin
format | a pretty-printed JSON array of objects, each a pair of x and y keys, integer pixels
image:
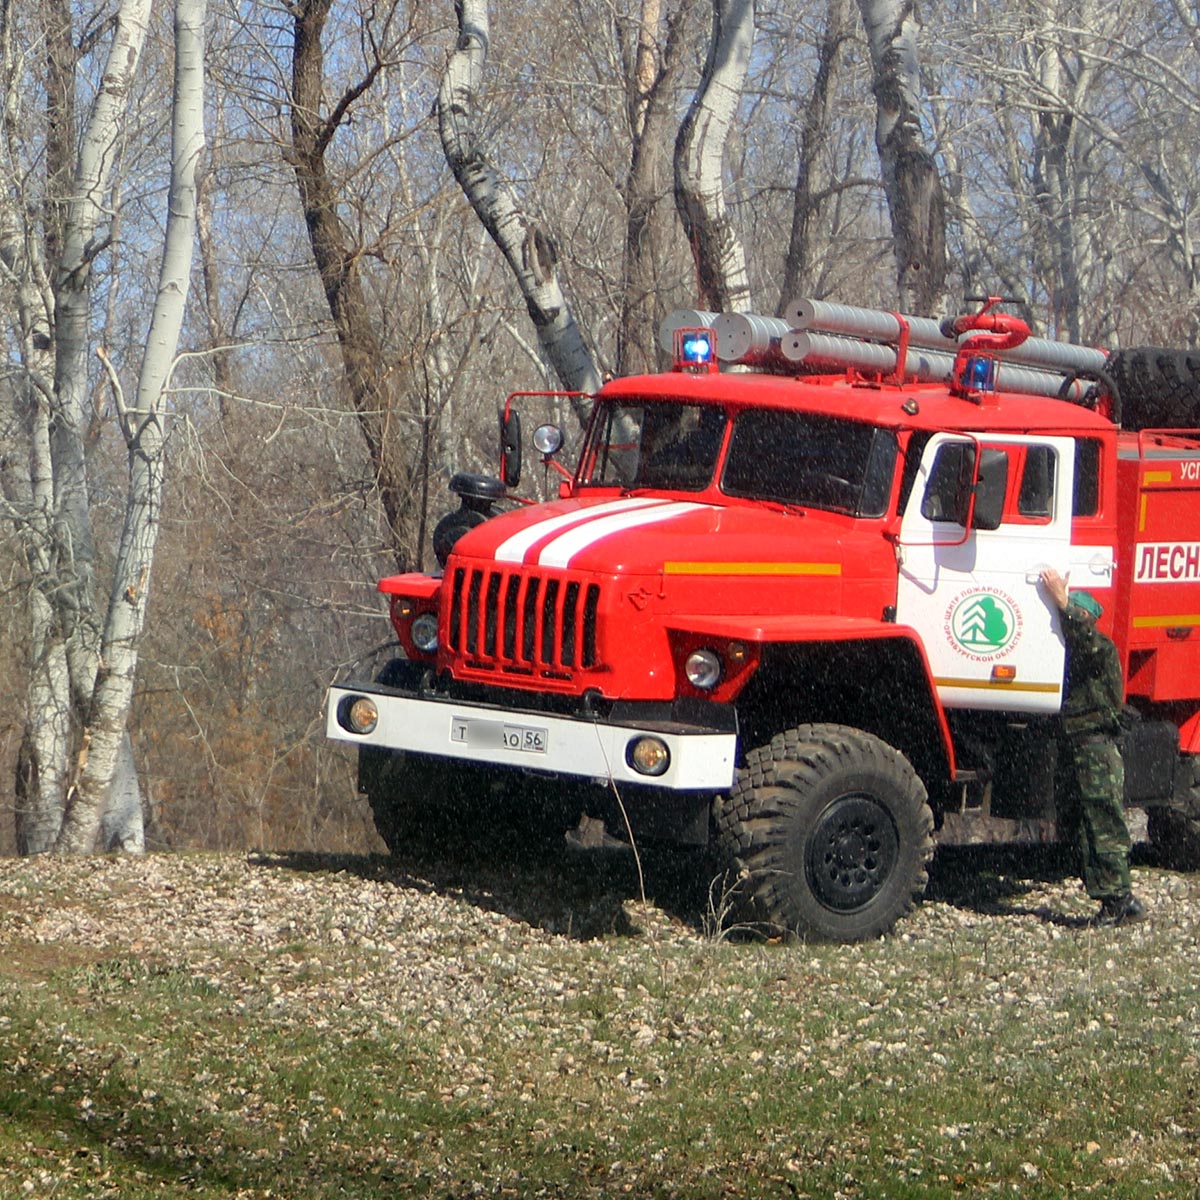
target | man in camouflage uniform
[{"x": 1090, "y": 782}]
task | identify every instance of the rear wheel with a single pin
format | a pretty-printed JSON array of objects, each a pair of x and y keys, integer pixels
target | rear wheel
[
  {"x": 831, "y": 832},
  {"x": 1175, "y": 832}
]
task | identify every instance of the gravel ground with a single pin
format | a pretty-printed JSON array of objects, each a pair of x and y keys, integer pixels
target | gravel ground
[{"x": 437, "y": 935}]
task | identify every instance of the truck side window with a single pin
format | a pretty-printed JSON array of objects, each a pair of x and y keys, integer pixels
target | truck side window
[
  {"x": 1086, "y": 500},
  {"x": 913, "y": 453},
  {"x": 1036, "y": 497},
  {"x": 948, "y": 491}
]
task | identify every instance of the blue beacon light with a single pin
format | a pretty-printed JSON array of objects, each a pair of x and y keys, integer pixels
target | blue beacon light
[
  {"x": 980, "y": 373},
  {"x": 695, "y": 349}
]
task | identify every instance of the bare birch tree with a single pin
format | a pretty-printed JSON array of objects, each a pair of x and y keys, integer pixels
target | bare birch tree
[
  {"x": 83, "y": 651},
  {"x": 143, "y": 428},
  {"x": 910, "y": 174},
  {"x": 49, "y": 502},
  {"x": 530, "y": 252},
  {"x": 723, "y": 283}
]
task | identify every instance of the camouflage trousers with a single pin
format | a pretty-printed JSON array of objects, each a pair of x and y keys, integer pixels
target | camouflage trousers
[{"x": 1090, "y": 792}]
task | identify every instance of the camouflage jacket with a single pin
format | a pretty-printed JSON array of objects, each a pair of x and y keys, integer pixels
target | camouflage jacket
[{"x": 1095, "y": 687}]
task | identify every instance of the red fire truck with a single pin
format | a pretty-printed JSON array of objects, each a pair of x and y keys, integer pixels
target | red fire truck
[{"x": 787, "y": 604}]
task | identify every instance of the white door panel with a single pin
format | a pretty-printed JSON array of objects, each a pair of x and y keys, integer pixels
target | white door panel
[{"x": 991, "y": 634}]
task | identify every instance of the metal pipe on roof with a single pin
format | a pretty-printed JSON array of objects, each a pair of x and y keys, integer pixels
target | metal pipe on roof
[
  {"x": 847, "y": 320},
  {"x": 921, "y": 364},
  {"x": 748, "y": 338},
  {"x": 682, "y": 318}
]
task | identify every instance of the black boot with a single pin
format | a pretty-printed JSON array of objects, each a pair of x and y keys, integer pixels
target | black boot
[{"x": 1120, "y": 910}]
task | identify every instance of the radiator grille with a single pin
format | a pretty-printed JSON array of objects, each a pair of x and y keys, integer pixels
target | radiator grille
[{"x": 523, "y": 621}]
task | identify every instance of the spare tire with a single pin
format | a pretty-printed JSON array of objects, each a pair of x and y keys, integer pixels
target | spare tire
[{"x": 1158, "y": 388}]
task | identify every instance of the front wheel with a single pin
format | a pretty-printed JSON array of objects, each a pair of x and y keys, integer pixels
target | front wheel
[
  {"x": 422, "y": 804},
  {"x": 831, "y": 832}
]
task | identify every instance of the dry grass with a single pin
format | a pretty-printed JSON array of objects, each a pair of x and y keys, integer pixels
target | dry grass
[{"x": 297, "y": 1026}]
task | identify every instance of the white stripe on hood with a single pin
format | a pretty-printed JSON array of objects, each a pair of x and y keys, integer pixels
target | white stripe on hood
[
  {"x": 514, "y": 549},
  {"x": 563, "y": 548}
]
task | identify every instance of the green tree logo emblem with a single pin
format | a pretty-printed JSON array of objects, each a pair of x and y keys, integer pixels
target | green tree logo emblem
[{"x": 983, "y": 623}]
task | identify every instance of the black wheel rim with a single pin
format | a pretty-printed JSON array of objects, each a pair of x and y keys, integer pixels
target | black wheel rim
[{"x": 852, "y": 852}]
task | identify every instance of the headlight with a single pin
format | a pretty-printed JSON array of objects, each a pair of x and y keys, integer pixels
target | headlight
[
  {"x": 648, "y": 756},
  {"x": 703, "y": 669},
  {"x": 361, "y": 715},
  {"x": 425, "y": 633}
]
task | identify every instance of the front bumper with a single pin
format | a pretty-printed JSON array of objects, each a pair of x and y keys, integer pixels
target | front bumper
[{"x": 593, "y": 747}]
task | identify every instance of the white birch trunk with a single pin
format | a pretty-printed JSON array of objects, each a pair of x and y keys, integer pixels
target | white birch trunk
[
  {"x": 910, "y": 175},
  {"x": 27, "y": 483},
  {"x": 143, "y": 428},
  {"x": 1063, "y": 141},
  {"x": 98, "y": 147},
  {"x": 530, "y": 253},
  {"x": 723, "y": 282},
  {"x": 48, "y": 720}
]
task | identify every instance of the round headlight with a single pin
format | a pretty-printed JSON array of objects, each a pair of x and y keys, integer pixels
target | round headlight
[
  {"x": 547, "y": 439},
  {"x": 703, "y": 669},
  {"x": 362, "y": 715},
  {"x": 648, "y": 756},
  {"x": 424, "y": 632}
]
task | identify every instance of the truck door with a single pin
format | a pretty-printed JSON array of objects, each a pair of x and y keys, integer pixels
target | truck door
[{"x": 991, "y": 634}]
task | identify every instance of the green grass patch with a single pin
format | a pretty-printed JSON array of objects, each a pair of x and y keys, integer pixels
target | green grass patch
[{"x": 970, "y": 1057}]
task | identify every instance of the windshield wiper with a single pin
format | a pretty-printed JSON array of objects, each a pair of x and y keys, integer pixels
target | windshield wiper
[{"x": 782, "y": 505}]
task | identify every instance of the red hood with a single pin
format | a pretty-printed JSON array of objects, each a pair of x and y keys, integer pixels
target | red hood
[{"x": 635, "y": 535}]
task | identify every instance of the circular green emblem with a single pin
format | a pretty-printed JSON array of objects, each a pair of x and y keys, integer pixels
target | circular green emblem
[{"x": 982, "y": 622}]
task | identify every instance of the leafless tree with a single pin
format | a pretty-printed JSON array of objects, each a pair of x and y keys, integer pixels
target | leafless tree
[
  {"x": 700, "y": 184},
  {"x": 910, "y": 174},
  {"x": 532, "y": 255},
  {"x": 83, "y": 650}
]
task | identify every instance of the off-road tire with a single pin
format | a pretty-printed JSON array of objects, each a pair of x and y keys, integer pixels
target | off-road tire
[
  {"x": 422, "y": 805},
  {"x": 1159, "y": 388},
  {"x": 830, "y": 833},
  {"x": 1175, "y": 832}
]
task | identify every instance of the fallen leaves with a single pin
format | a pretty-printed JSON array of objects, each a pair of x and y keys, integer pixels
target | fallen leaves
[{"x": 470, "y": 1015}]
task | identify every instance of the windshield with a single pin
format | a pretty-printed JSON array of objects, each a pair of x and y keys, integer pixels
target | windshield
[
  {"x": 811, "y": 461},
  {"x": 795, "y": 458},
  {"x": 668, "y": 445}
]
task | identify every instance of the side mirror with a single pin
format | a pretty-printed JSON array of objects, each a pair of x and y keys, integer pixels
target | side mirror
[
  {"x": 989, "y": 490},
  {"x": 510, "y": 449}
]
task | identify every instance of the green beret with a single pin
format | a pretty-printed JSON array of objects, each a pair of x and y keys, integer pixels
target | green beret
[{"x": 1087, "y": 602}]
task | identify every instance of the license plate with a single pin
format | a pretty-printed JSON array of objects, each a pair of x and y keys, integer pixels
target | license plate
[{"x": 498, "y": 735}]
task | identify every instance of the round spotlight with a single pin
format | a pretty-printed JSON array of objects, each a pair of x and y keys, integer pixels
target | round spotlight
[
  {"x": 648, "y": 756},
  {"x": 425, "y": 633},
  {"x": 703, "y": 669},
  {"x": 547, "y": 439}
]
